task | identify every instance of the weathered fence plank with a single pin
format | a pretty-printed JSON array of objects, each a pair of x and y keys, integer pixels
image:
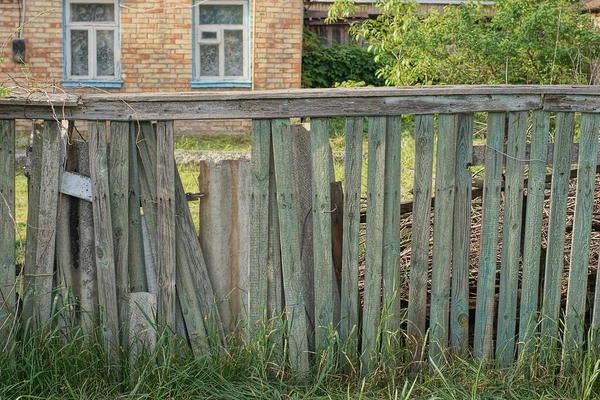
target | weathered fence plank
[
  {"x": 321, "y": 214},
  {"x": 8, "y": 283},
  {"x": 445, "y": 182},
  {"x": 103, "y": 234},
  {"x": 141, "y": 337},
  {"x": 565, "y": 128},
  {"x": 511, "y": 239},
  {"x": 419, "y": 263},
  {"x": 532, "y": 242},
  {"x": 138, "y": 280},
  {"x": 352, "y": 194},
  {"x": 290, "y": 245},
  {"x": 484, "y": 317},
  {"x": 461, "y": 251},
  {"x": 374, "y": 255},
  {"x": 580, "y": 248}
]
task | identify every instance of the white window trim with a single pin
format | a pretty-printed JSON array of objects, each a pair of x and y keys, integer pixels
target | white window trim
[
  {"x": 220, "y": 41},
  {"x": 92, "y": 28}
]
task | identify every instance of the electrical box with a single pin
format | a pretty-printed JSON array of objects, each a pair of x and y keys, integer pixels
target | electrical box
[{"x": 18, "y": 49}]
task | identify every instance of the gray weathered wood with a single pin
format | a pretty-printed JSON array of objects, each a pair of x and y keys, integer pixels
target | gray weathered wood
[
  {"x": 103, "y": 234},
  {"x": 484, "y": 317},
  {"x": 572, "y": 103},
  {"x": 461, "y": 251},
  {"x": 76, "y": 185},
  {"x": 290, "y": 246},
  {"x": 374, "y": 254},
  {"x": 580, "y": 247},
  {"x": 138, "y": 281},
  {"x": 141, "y": 338},
  {"x": 119, "y": 208},
  {"x": 352, "y": 194},
  {"x": 419, "y": 263},
  {"x": 445, "y": 181},
  {"x": 8, "y": 282},
  {"x": 532, "y": 243},
  {"x": 511, "y": 239},
  {"x": 165, "y": 232},
  {"x": 321, "y": 214},
  {"x": 556, "y": 227}
]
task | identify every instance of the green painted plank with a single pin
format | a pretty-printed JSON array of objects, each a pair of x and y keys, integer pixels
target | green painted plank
[
  {"x": 322, "y": 251},
  {"x": 259, "y": 220},
  {"x": 138, "y": 281},
  {"x": 580, "y": 247},
  {"x": 445, "y": 181},
  {"x": 511, "y": 238},
  {"x": 7, "y": 227},
  {"x": 290, "y": 246},
  {"x": 532, "y": 243},
  {"x": 421, "y": 232},
  {"x": 374, "y": 251},
  {"x": 118, "y": 181},
  {"x": 461, "y": 249},
  {"x": 351, "y": 229},
  {"x": 556, "y": 227},
  {"x": 486, "y": 281},
  {"x": 105, "y": 262}
]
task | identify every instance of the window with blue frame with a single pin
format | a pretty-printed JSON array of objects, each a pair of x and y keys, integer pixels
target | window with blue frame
[
  {"x": 221, "y": 44},
  {"x": 91, "y": 43}
]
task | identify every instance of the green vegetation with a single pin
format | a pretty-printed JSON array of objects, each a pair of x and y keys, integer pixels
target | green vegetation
[{"x": 213, "y": 143}]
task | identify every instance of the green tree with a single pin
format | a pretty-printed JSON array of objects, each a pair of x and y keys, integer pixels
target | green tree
[{"x": 512, "y": 41}]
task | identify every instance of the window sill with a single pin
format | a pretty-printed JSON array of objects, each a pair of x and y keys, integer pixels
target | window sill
[
  {"x": 220, "y": 84},
  {"x": 93, "y": 84}
]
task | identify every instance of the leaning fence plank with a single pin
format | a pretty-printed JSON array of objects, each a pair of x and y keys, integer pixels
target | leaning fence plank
[
  {"x": 374, "y": 254},
  {"x": 7, "y": 227},
  {"x": 486, "y": 281},
  {"x": 141, "y": 337},
  {"x": 290, "y": 245},
  {"x": 259, "y": 222},
  {"x": 352, "y": 194},
  {"x": 532, "y": 241},
  {"x": 419, "y": 264},
  {"x": 105, "y": 264},
  {"x": 445, "y": 181},
  {"x": 580, "y": 248},
  {"x": 165, "y": 246},
  {"x": 459, "y": 321},
  {"x": 119, "y": 207},
  {"x": 565, "y": 128},
  {"x": 511, "y": 238},
  {"x": 138, "y": 281},
  {"x": 321, "y": 213}
]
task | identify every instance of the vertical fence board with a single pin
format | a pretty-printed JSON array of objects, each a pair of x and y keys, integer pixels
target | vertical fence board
[
  {"x": 321, "y": 213},
  {"x": 7, "y": 227},
  {"x": 374, "y": 255},
  {"x": 290, "y": 245},
  {"x": 484, "y": 318},
  {"x": 421, "y": 232},
  {"x": 461, "y": 251},
  {"x": 138, "y": 281},
  {"x": 259, "y": 222},
  {"x": 392, "y": 280},
  {"x": 107, "y": 290},
  {"x": 580, "y": 248},
  {"x": 165, "y": 239},
  {"x": 352, "y": 194},
  {"x": 445, "y": 181},
  {"x": 119, "y": 207},
  {"x": 565, "y": 128},
  {"x": 532, "y": 242},
  {"x": 511, "y": 238}
]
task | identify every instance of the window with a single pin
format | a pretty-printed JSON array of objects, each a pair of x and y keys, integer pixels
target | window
[
  {"x": 221, "y": 44},
  {"x": 91, "y": 38}
]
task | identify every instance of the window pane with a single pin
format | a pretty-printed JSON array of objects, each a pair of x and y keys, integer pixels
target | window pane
[
  {"x": 79, "y": 53},
  {"x": 234, "y": 53},
  {"x": 209, "y": 35},
  {"x": 209, "y": 60},
  {"x": 105, "y": 52},
  {"x": 85, "y": 12},
  {"x": 232, "y": 14}
]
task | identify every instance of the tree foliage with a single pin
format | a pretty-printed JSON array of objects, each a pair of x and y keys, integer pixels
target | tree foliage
[{"x": 513, "y": 41}]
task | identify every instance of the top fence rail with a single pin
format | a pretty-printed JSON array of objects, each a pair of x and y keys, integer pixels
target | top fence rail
[{"x": 300, "y": 103}]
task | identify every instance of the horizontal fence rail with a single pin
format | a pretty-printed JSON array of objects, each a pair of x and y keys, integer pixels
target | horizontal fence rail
[{"x": 475, "y": 262}]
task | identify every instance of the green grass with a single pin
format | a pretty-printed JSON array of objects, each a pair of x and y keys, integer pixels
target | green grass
[{"x": 213, "y": 143}]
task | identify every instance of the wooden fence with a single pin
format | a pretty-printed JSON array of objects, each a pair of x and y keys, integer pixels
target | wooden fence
[{"x": 273, "y": 246}]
